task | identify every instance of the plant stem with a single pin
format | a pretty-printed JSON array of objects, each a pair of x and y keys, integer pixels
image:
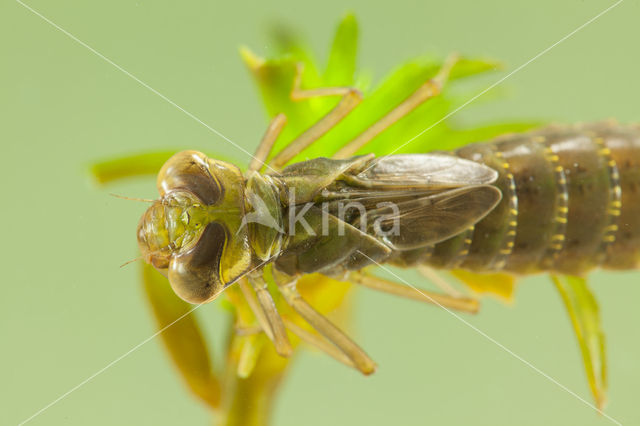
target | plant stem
[{"x": 249, "y": 401}]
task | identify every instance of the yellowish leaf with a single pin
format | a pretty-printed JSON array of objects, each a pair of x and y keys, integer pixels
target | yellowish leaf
[
  {"x": 183, "y": 338},
  {"x": 585, "y": 317},
  {"x": 501, "y": 286}
]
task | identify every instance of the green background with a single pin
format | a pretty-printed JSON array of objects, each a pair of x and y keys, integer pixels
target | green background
[{"x": 67, "y": 309}]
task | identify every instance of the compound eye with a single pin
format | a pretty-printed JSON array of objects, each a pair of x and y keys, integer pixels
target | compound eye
[
  {"x": 189, "y": 171},
  {"x": 195, "y": 274}
]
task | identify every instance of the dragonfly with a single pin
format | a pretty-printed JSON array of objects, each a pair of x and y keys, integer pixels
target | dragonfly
[{"x": 559, "y": 199}]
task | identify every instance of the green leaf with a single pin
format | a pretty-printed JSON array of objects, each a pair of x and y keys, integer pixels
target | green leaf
[
  {"x": 182, "y": 337},
  {"x": 275, "y": 81},
  {"x": 427, "y": 128},
  {"x": 145, "y": 164},
  {"x": 274, "y": 78},
  {"x": 585, "y": 317},
  {"x": 341, "y": 66},
  {"x": 291, "y": 45},
  {"x": 467, "y": 67},
  {"x": 138, "y": 165},
  {"x": 394, "y": 89}
]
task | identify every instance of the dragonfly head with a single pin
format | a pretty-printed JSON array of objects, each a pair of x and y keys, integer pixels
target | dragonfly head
[
  {"x": 169, "y": 225},
  {"x": 193, "y": 234}
]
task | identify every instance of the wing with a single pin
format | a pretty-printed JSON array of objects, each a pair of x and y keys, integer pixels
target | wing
[
  {"x": 415, "y": 200},
  {"x": 405, "y": 201},
  {"x": 426, "y": 171},
  {"x": 428, "y": 220},
  {"x": 350, "y": 177}
]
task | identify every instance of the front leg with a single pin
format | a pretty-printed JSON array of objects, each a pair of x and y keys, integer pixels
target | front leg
[
  {"x": 266, "y": 144},
  {"x": 330, "y": 331},
  {"x": 266, "y": 313}
]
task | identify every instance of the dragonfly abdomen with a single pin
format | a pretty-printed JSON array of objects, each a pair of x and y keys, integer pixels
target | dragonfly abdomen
[{"x": 571, "y": 202}]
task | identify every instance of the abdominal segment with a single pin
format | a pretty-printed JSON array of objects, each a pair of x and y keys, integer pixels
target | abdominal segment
[{"x": 570, "y": 202}]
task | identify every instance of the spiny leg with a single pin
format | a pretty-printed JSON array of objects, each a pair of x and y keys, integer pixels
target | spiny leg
[
  {"x": 267, "y": 314},
  {"x": 325, "y": 327},
  {"x": 443, "y": 300},
  {"x": 428, "y": 90},
  {"x": 263, "y": 323},
  {"x": 280, "y": 339},
  {"x": 266, "y": 144},
  {"x": 310, "y": 338},
  {"x": 318, "y": 342},
  {"x": 350, "y": 99}
]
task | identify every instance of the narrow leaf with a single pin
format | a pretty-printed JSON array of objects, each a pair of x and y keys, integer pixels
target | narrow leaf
[
  {"x": 467, "y": 67},
  {"x": 182, "y": 337},
  {"x": 585, "y": 317},
  {"x": 391, "y": 92},
  {"x": 499, "y": 285},
  {"x": 290, "y": 44},
  {"x": 274, "y": 78},
  {"x": 138, "y": 165},
  {"x": 146, "y": 164},
  {"x": 394, "y": 89},
  {"x": 341, "y": 65}
]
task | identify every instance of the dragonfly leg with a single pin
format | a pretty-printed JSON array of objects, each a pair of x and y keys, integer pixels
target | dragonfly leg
[
  {"x": 256, "y": 309},
  {"x": 433, "y": 276},
  {"x": 350, "y": 99},
  {"x": 266, "y": 144},
  {"x": 442, "y": 300},
  {"x": 356, "y": 355},
  {"x": 318, "y": 342},
  {"x": 267, "y": 314},
  {"x": 428, "y": 90}
]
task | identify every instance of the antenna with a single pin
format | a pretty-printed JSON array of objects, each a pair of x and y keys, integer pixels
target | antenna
[
  {"x": 131, "y": 261},
  {"x": 146, "y": 200}
]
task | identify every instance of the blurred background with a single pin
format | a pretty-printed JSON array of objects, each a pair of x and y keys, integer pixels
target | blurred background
[{"x": 67, "y": 309}]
